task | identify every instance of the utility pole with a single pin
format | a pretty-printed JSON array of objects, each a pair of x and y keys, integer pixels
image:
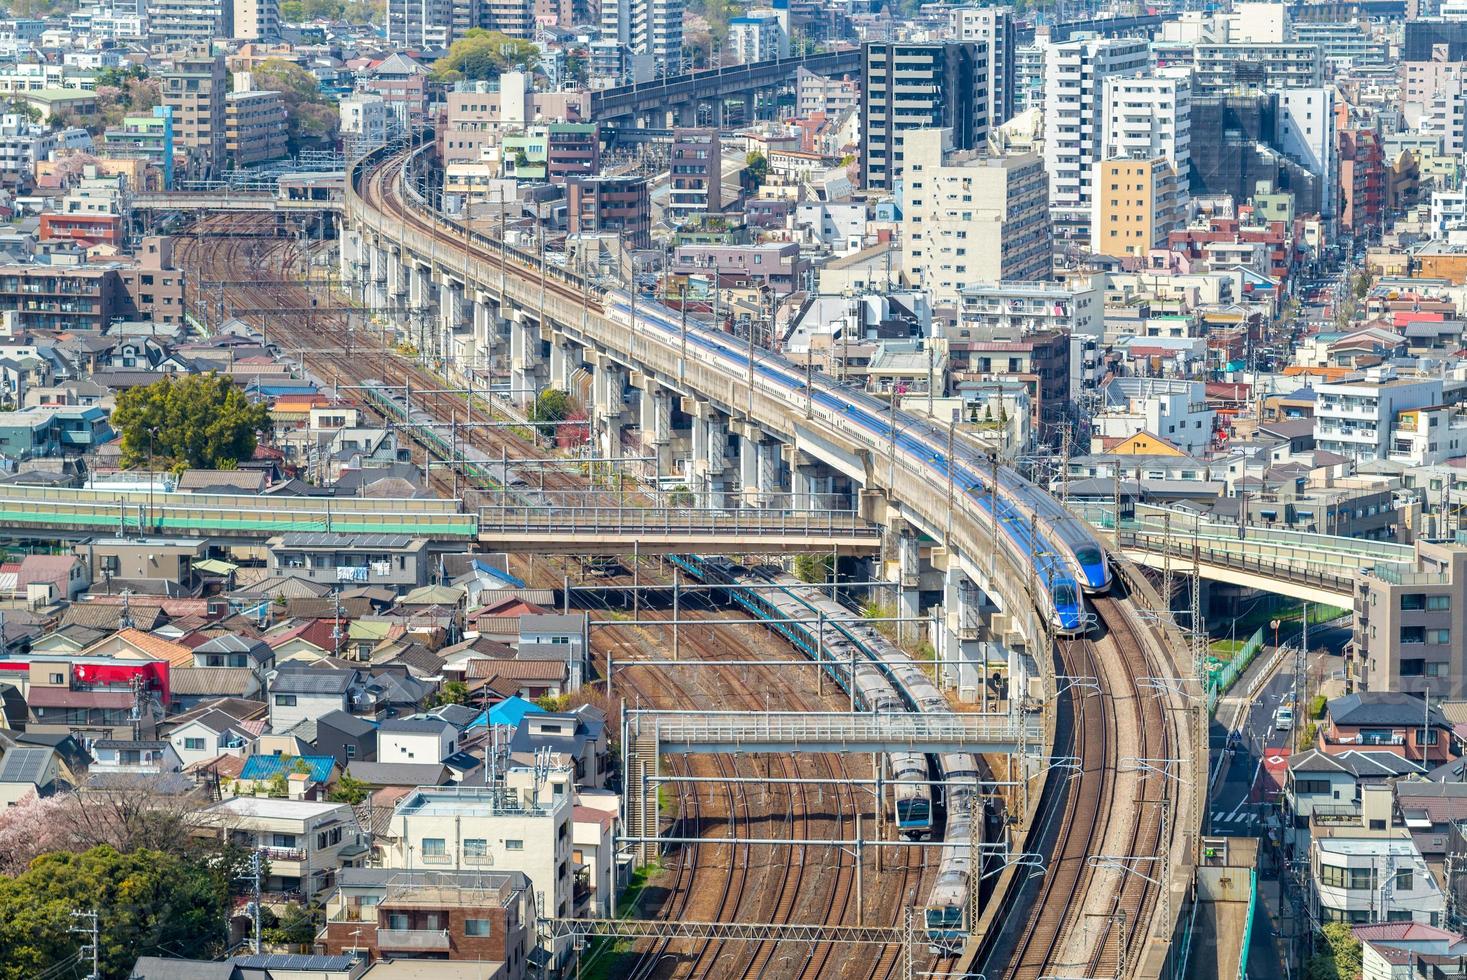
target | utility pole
[
  {"x": 87, "y": 924},
  {"x": 253, "y": 877}
]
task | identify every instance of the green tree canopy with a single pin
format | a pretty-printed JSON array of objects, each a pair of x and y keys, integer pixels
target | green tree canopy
[
  {"x": 148, "y": 902},
  {"x": 551, "y": 405},
  {"x": 481, "y": 55},
  {"x": 310, "y": 115},
  {"x": 1338, "y": 954},
  {"x": 353, "y": 11},
  {"x": 756, "y": 168},
  {"x": 201, "y": 420},
  {"x": 350, "y": 790}
]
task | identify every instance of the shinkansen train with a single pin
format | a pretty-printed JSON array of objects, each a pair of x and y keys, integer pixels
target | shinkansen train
[
  {"x": 1067, "y": 560},
  {"x": 885, "y": 680}
]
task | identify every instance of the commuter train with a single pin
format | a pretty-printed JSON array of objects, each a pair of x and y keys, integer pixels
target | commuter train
[
  {"x": 1067, "y": 560},
  {"x": 886, "y": 681}
]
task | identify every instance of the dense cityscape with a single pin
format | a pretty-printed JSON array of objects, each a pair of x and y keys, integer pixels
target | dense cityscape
[{"x": 514, "y": 489}]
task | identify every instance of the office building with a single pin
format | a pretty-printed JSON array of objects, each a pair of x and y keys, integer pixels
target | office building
[
  {"x": 970, "y": 219},
  {"x": 1075, "y": 74},
  {"x": 1140, "y": 201},
  {"x": 1222, "y": 69},
  {"x": 919, "y": 86},
  {"x": 993, "y": 26}
]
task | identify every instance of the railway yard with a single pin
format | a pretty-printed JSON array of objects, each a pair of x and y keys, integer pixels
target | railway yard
[{"x": 1078, "y": 917}]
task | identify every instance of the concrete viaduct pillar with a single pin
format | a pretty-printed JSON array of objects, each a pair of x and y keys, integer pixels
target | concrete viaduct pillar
[
  {"x": 486, "y": 333},
  {"x": 904, "y": 570},
  {"x": 525, "y": 360},
  {"x": 655, "y": 420},
  {"x": 710, "y": 449},
  {"x": 451, "y": 322},
  {"x": 376, "y": 276},
  {"x": 965, "y": 654}
]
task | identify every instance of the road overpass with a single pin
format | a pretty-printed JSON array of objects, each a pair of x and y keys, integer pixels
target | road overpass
[
  {"x": 1313, "y": 567},
  {"x": 492, "y": 300}
]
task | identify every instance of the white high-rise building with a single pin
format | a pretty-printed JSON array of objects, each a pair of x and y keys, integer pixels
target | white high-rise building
[
  {"x": 651, "y": 28},
  {"x": 993, "y": 26},
  {"x": 1074, "y": 93},
  {"x": 757, "y": 36},
  {"x": 1306, "y": 133},
  {"x": 1147, "y": 116}
]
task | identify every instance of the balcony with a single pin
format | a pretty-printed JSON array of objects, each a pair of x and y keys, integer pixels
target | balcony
[
  {"x": 418, "y": 940},
  {"x": 436, "y": 858},
  {"x": 284, "y": 853}
]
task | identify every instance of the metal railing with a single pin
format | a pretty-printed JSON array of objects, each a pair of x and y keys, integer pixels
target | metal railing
[
  {"x": 795, "y": 727},
  {"x": 671, "y": 520},
  {"x": 1289, "y": 571},
  {"x": 431, "y": 939}
]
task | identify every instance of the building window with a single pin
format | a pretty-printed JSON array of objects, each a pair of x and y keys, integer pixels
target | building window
[
  {"x": 476, "y": 847},
  {"x": 351, "y": 751},
  {"x": 1413, "y": 634},
  {"x": 1405, "y": 881},
  {"x": 397, "y": 920},
  {"x": 1426, "y": 736},
  {"x": 1438, "y": 603},
  {"x": 1413, "y": 601},
  {"x": 514, "y": 845},
  {"x": 1439, "y": 636},
  {"x": 434, "y": 847},
  {"x": 285, "y": 700},
  {"x": 478, "y": 928},
  {"x": 193, "y": 745}
]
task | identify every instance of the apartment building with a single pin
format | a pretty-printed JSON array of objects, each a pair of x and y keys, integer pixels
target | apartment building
[
  {"x": 758, "y": 36},
  {"x": 1139, "y": 203},
  {"x": 398, "y": 561},
  {"x": 172, "y": 22},
  {"x": 775, "y": 266},
  {"x": 1149, "y": 116},
  {"x": 195, "y": 87},
  {"x": 256, "y": 20},
  {"x": 817, "y": 93},
  {"x": 254, "y": 127},
  {"x": 906, "y": 86},
  {"x": 307, "y": 842},
  {"x": 1173, "y": 409},
  {"x": 1355, "y": 417},
  {"x": 650, "y": 31},
  {"x": 1223, "y": 69},
  {"x": 1362, "y": 180},
  {"x": 511, "y": 828},
  {"x": 1306, "y": 134},
  {"x": 479, "y": 915},
  {"x": 1410, "y": 622},
  {"x": 696, "y": 171},
  {"x": 994, "y": 27},
  {"x": 970, "y": 218},
  {"x": 478, "y": 114},
  {"x": 61, "y": 298},
  {"x": 1075, "y": 74},
  {"x": 610, "y": 206}
]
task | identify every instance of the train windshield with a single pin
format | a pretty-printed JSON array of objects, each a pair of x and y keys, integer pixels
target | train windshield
[
  {"x": 946, "y": 917},
  {"x": 912, "y": 810},
  {"x": 1064, "y": 594},
  {"x": 1088, "y": 556}
]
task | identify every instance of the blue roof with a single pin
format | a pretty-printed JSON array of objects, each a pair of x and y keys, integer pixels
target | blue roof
[
  {"x": 268, "y": 766},
  {"x": 498, "y": 575},
  {"x": 511, "y": 711}
]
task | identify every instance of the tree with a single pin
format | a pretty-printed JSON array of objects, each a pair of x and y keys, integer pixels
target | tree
[
  {"x": 553, "y": 702},
  {"x": 294, "y": 926},
  {"x": 29, "y": 829},
  {"x": 310, "y": 116},
  {"x": 452, "y": 692},
  {"x": 350, "y": 790},
  {"x": 147, "y": 902},
  {"x": 551, "y": 405},
  {"x": 756, "y": 168},
  {"x": 482, "y": 55},
  {"x": 201, "y": 420},
  {"x": 1339, "y": 955},
  {"x": 813, "y": 567}
]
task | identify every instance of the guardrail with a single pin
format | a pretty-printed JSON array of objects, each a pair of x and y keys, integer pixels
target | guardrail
[{"x": 1285, "y": 571}]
